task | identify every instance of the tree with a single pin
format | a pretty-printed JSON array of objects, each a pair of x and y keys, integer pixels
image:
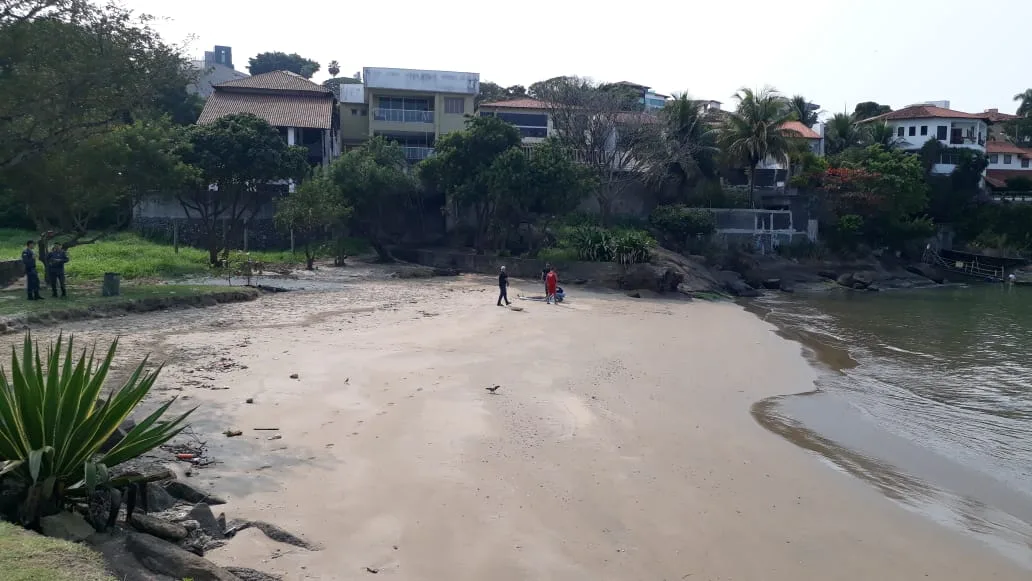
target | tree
[
  {"x": 313, "y": 208},
  {"x": 72, "y": 70},
  {"x": 237, "y": 158},
  {"x": 869, "y": 109},
  {"x": 1024, "y": 99},
  {"x": 879, "y": 133},
  {"x": 335, "y": 83},
  {"x": 374, "y": 181},
  {"x": 752, "y": 133},
  {"x": 683, "y": 149},
  {"x": 802, "y": 111},
  {"x": 334, "y": 68},
  {"x": 280, "y": 61},
  {"x": 491, "y": 92},
  {"x": 593, "y": 126},
  {"x": 841, "y": 133}
]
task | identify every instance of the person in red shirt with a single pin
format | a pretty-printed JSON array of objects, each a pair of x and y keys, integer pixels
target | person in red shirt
[{"x": 551, "y": 282}]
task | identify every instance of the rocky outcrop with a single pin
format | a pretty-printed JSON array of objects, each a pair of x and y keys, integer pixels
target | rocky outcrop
[
  {"x": 184, "y": 491},
  {"x": 928, "y": 271},
  {"x": 734, "y": 284},
  {"x": 157, "y": 527},
  {"x": 69, "y": 526},
  {"x": 167, "y": 559},
  {"x": 669, "y": 272}
]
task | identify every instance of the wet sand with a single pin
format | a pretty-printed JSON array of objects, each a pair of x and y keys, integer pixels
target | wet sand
[{"x": 619, "y": 446}]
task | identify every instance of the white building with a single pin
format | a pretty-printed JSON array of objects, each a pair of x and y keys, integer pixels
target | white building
[
  {"x": 915, "y": 125},
  {"x": 1007, "y": 161}
]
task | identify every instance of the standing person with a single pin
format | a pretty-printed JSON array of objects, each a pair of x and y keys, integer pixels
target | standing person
[
  {"x": 28, "y": 257},
  {"x": 544, "y": 276},
  {"x": 56, "y": 260},
  {"x": 503, "y": 287},
  {"x": 551, "y": 283}
]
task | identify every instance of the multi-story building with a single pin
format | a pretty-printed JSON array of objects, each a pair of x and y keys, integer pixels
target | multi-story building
[
  {"x": 530, "y": 116},
  {"x": 650, "y": 100},
  {"x": 1006, "y": 161},
  {"x": 304, "y": 112},
  {"x": 216, "y": 68},
  {"x": 915, "y": 125},
  {"x": 411, "y": 107}
]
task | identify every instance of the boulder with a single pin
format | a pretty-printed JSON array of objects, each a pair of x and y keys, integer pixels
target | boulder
[
  {"x": 828, "y": 274},
  {"x": 732, "y": 282},
  {"x": 928, "y": 271},
  {"x": 159, "y": 528},
  {"x": 184, "y": 491},
  {"x": 119, "y": 560},
  {"x": 167, "y": 559},
  {"x": 117, "y": 436},
  {"x": 158, "y": 499},
  {"x": 245, "y": 574},
  {"x": 771, "y": 283},
  {"x": 658, "y": 278},
  {"x": 207, "y": 521},
  {"x": 70, "y": 526},
  {"x": 845, "y": 280}
]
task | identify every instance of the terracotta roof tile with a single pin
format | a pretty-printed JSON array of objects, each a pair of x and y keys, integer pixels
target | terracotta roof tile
[
  {"x": 526, "y": 103},
  {"x": 1005, "y": 147},
  {"x": 276, "y": 81},
  {"x": 998, "y": 177},
  {"x": 996, "y": 117},
  {"x": 290, "y": 110},
  {"x": 927, "y": 112},
  {"x": 799, "y": 129}
]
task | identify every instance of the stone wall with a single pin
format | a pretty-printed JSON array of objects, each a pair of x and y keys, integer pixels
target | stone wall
[
  {"x": 604, "y": 273},
  {"x": 262, "y": 233},
  {"x": 10, "y": 272}
]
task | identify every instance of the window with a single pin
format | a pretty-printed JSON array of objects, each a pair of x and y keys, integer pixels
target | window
[
  {"x": 1024, "y": 164},
  {"x": 487, "y": 113},
  {"x": 454, "y": 105},
  {"x": 913, "y": 131},
  {"x": 1006, "y": 159},
  {"x": 524, "y": 119},
  {"x": 924, "y": 130},
  {"x": 365, "y": 112},
  {"x": 940, "y": 132},
  {"x": 354, "y": 112},
  {"x": 899, "y": 132},
  {"x": 994, "y": 159}
]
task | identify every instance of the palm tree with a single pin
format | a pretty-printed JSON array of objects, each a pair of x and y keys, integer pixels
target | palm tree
[
  {"x": 801, "y": 110},
  {"x": 879, "y": 133},
  {"x": 334, "y": 68},
  {"x": 1025, "y": 108},
  {"x": 683, "y": 150},
  {"x": 841, "y": 133},
  {"x": 753, "y": 132}
]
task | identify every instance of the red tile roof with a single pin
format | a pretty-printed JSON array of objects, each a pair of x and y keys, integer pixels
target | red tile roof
[
  {"x": 275, "y": 81},
  {"x": 797, "y": 128},
  {"x": 996, "y": 117},
  {"x": 927, "y": 112},
  {"x": 526, "y": 103},
  {"x": 998, "y": 177},
  {"x": 1005, "y": 147},
  {"x": 287, "y": 110}
]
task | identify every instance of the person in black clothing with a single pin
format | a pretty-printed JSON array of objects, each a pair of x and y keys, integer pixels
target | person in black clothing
[
  {"x": 28, "y": 257},
  {"x": 56, "y": 260},
  {"x": 503, "y": 287},
  {"x": 544, "y": 276}
]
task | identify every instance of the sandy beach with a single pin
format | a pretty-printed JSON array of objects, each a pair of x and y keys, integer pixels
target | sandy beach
[{"x": 619, "y": 445}]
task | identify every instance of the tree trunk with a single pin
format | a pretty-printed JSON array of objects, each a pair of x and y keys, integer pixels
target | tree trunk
[
  {"x": 382, "y": 253},
  {"x": 752, "y": 185},
  {"x": 309, "y": 258},
  {"x": 213, "y": 246}
]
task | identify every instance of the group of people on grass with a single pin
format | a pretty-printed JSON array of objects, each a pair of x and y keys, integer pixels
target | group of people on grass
[
  {"x": 55, "y": 263},
  {"x": 549, "y": 276}
]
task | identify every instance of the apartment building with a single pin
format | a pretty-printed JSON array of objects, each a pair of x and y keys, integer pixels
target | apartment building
[
  {"x": 530, "y": 116},
  {"x": 650, "y": 100},
  {"x": 915, "y": 125},
  {"x": 409, "y": 106}
]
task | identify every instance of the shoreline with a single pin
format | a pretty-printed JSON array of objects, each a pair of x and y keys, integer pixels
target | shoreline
[
  {"x": 918, "y": 480},
  {"x": 619, "y": 446}
]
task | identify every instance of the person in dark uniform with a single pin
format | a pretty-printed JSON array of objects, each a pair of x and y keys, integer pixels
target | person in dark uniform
[
  {"x": 503, "y": 287},
  {"x": 28, "y": 257},
  {"x": 56, "y": 260}
]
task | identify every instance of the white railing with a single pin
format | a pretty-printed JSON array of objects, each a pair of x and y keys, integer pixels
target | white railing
[
  {"x": 403, "y": 116},
  {"x": 416, "y": 153}
]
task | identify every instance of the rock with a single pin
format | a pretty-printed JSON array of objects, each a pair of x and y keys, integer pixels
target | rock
[
  {"x": 634, "y": 295},
  {"x": 579, "y": 281},
  {"x": 190, "y": 525},
  {"x": 249, "y": 400},
  {"x": 827, "y": 274},
  {"x": 117, "y": 436},
  {"x": 786, "y": 286},
  {"x": 845, "y": 280},
  {"x": 245, "y": 574},
  {"x": 158, "y": 499},
  {"x": 281, "y": 536},
  {"x": 159, "y": 528},
  {"x": 293, "y": 376},
  {"x": 445, "y": 272},
  {"x": 200, "y": 542},
  {"x": 772, "y": 283},
  {"x": 207, "y": 521},
  {"x": 184, "y": 491},
  {"x": 651, "y": 277},
  {"x": 120, "y": 561},
  {"x": 732, "y": 282},
  {"x": 70, "y": 526},
  {"x": 167, "y": 559},
  {"x": 859, "y": 286},
  {"x": 928, "y": 271}
]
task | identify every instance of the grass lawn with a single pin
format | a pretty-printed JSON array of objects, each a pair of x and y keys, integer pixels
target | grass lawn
[
  {"x": 13, "y": 301},
  {"x": 26, "y": 556},
  {"x": 134, "y": 257}
]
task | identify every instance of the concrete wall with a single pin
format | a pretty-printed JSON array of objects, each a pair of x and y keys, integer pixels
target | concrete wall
[
  {"x": 598, "y": 272},
  {"x": 354, "y": 122},
  {"x": 980, "y": 129},
  {"x": 11, "y": 271}
]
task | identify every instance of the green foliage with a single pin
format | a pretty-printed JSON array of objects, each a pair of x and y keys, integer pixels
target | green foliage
[
  {"x": 683, "y": 152},
  {"x": 280, "y": 61},
  {"x": 53, "y": 422},
  {"x": 491, "y": 92},
  {"x": 677, "y": 225},
  {"x": 1024, "y": 100},
  {"x": 313, "y": 208},
  {"x": 557, "y": 255},
  {"x": 1019, "y": 184},
  {"x": 841, "y": 134},
  {"x": 235, "y": 158},
  {"x": 76, "y": 72},
  {"x": 869, "y": 109},
  {"x": 597, "y": 244},
  {"x": 27, "y": 556},
  {"x": 753, "y": 132},
  {"x": 801, "y": 110}
]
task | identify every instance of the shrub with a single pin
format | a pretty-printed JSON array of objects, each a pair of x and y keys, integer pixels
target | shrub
[
  {"x": 53, "y": 424},
  {"x": 595, "y": 244},
  {"x": 1019, "y": 184},
  {"x": 557, "y": 255},
  {"x": 681, "y": 223}
]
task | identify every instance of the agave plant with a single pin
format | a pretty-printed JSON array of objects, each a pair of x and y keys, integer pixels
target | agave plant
[{"x": 53, "y": 423}]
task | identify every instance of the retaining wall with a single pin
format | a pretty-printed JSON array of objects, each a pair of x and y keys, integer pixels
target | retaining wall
[
  {"x": 606, "y": 273},
  {"x": 10, "y": 272}
]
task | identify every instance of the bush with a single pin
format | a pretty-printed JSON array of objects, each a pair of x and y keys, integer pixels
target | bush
[
  {"x": 557, "y": 255},
  {"x": 595, "y": 244},
  {"x": 1019, "y": 184},
  {"x": 679, "y": 223},
  {"x": 53, "y": 424}
]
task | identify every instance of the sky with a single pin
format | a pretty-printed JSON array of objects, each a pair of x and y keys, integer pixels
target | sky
[{"x": 834, "y": 52}]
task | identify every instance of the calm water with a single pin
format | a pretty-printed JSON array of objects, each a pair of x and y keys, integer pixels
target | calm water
[{"x": 927, "y": 395}]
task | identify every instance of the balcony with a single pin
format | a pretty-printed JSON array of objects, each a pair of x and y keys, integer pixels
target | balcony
[
  {"x": 413, "y": 153},
  {"x": 403, "y": 116}
]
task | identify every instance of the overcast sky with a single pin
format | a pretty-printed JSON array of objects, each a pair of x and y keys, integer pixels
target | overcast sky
[{"x": 835, "y": 52}]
